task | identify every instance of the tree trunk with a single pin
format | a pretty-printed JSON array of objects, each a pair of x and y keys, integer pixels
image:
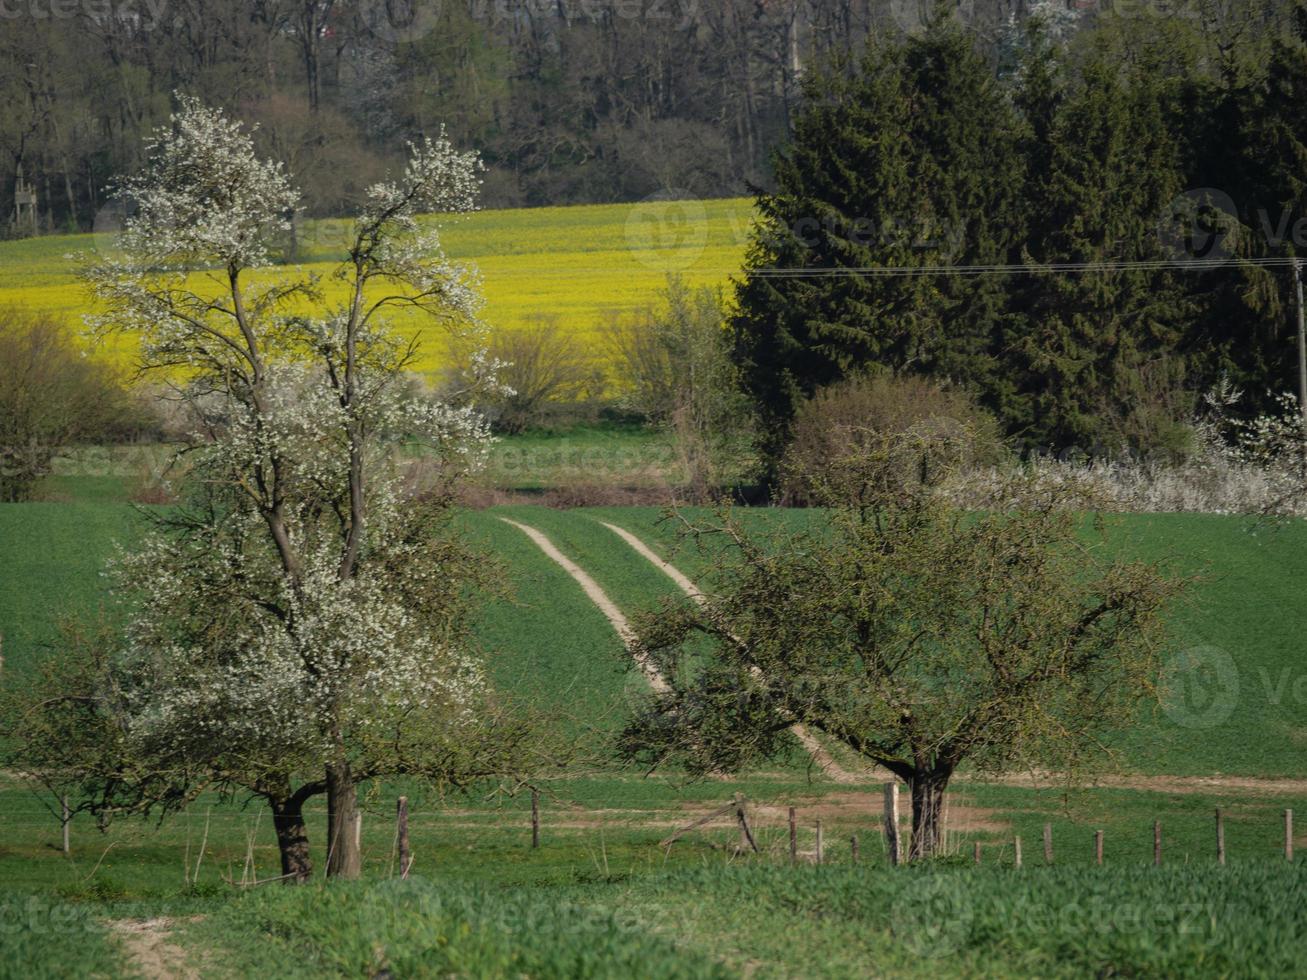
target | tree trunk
[
  {"x": 292, "y": 840},
  {"x": 927, "y": 813},
  {"x": 344, "y": 859}
]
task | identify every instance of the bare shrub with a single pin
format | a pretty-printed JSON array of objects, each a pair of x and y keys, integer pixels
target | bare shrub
[
  {"x": 147, "y": 487},
  {"x": 540, "y": 364},
  {"x": 51, "y": 396},
  {"x": 674, "y": 368},
  {"x": 874, "y": 436}
]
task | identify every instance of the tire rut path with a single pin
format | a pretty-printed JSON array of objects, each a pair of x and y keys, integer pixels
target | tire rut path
[{"x": 814, "y": 748}]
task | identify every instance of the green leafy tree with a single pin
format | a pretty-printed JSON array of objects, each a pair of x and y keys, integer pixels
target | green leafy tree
[{"x": 916, "y": 634}]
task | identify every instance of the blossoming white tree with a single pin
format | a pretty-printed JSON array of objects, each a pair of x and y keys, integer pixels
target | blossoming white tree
[{"x": 298, "y": 625}]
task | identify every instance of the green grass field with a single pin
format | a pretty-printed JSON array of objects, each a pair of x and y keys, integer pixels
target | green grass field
[
  {"x": 1243, "y": 604},
  {"x": 579, "y": 264},
  {"x": 552, "y": 645},
  {"x": 550, "y": 642},
  {"x": 600, "y": 898}
]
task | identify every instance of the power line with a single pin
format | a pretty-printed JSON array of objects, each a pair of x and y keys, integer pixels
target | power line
[{"x": 1183, "y": 265}]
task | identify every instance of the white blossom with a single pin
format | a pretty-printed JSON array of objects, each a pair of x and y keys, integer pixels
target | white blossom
[{"x": 301, "y": 607}]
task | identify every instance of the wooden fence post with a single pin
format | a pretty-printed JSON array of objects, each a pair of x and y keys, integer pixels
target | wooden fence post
[
  {"x": 819, "y": 843},
  {"x": 732, "y": 807},
  {"x": 358, "y": 840},
  {"x": 1288, "y": 835},
  {"x": 1220, "y": 837},
  {"x": 535, "y": 818},
  {"x": 1048, "y": 843},
  {"x": 975, "y": 851},
  {"x": 1098, "y": 846},
  {"x": 853, "y": 848},
  {"x": 1157, "y": 843},
  {"x": 65, "y": 819},
  {"x": 892, "y": 841},
  {"x": 401, "y": 835},
  {"x": 742, "y": 818},
  {"x": 1016, "y": 845},
  {"x": 794, "y": 836}
]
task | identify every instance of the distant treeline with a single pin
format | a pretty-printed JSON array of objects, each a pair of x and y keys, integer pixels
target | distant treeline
[
  {"x": 569, "y": 100},
  {"x": 1137, "y": 148}
]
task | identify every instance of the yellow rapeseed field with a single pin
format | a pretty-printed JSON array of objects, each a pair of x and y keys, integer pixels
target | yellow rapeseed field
[{"x": 580, "y": 264}]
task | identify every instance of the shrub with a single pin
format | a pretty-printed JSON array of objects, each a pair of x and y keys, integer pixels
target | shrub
[
  {"x": 51, "y": 395},
  {"x": 838, "y": 443},
  {"x": 1229, "y": 466},
  {"x": 539, "y": 365},
  {"x": 674, "y": 368}
]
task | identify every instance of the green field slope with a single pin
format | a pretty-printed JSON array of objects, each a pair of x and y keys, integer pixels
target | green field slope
[
  {"x": 52, "y": 556},
  {"x": 1241, "y": 622},
  {"x": 549, "y": 643}
]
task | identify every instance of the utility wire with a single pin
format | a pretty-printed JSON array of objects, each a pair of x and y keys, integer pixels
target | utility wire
[
  {"x": 919, "y": 271},
  {"x": 1184, "y": 265}
]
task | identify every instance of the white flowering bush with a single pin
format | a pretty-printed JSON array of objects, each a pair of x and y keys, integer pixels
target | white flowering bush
[
  {"x": 1234, "y": 466},
  {"x": 298, "y": 625}
]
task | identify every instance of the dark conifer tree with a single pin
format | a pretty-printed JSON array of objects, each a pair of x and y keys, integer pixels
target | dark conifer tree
[
  {"x": 908, "y": 162},
  {"x": 1256, "y": 148},
  {"x": 1099, "y": 359}
]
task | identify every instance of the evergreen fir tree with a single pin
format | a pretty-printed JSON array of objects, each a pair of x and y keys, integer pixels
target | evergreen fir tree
[
  {"x": 909, "y": 161},
  {"x": 1098, "y": 358},
  {"x": 1265, "y": 166}
]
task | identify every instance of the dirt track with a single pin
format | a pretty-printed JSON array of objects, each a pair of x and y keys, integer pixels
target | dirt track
[
  {"x": 1253, "y": 785},
  {"x": 146, "y": 942},
  {"x": 814, "y": 748},
  {"x": 823, "y": 759},
  {"x": 598, "y": 596}
]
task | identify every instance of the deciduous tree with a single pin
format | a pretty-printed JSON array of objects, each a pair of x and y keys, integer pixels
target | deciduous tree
[
  {"x": 299, "y": 625},
  {"x": 920, "y": 636},
  {"x": 51, "y": 395}
]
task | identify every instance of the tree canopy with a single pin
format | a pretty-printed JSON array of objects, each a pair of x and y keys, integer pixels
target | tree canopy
[
  {"x": 299, "y": 624},
  {"x": 920, "y": 636},
  {"x": 1101, "y": 163}
]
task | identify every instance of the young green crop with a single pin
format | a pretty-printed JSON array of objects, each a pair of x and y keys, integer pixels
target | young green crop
[
  {"x": 1055, "y": 922},
  {"x": 418, "y": 928},
  {"x": 553, "y": 640}
]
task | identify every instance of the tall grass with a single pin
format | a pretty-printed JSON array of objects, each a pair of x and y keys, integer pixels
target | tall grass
[
  {"x": 42, "y": 937},
  {"x": 1040, "y": 922},
  {"x": 416, "y": 928}
]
